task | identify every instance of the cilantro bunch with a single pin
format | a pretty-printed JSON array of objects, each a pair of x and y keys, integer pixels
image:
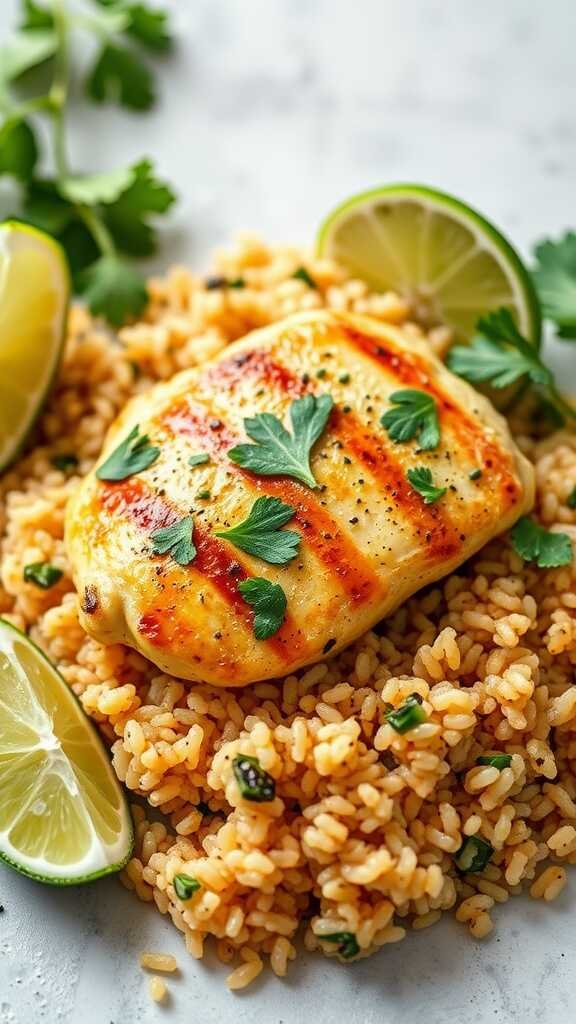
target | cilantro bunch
[{"x": 99, "y": 219}]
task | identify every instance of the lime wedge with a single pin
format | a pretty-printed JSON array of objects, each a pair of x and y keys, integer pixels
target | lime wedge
[
  {"x": 34, "y": 292},
  {"x": 63, "y": 816},
  {"x": 448, "y": 261}
]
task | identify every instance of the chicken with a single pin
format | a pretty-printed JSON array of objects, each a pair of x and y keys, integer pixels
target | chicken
[{"x": 367, "y": 538}]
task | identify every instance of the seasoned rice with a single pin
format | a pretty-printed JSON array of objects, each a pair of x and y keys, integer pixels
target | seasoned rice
[{"x": 362, "y": 833}]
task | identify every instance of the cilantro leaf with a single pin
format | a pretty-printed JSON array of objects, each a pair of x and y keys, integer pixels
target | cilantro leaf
[
  {"x": 36, "y": 16},
  {"x": 416, "y": 416},
  {"x": 279, "y": 453},
  {"x": 185, "y": 886},
  {"x": 555, "y": 280},
  {"x": 113, "y": 289},
  {"x": 535, "y": 544},
  {"x": 301, "y": 274},
  {"x": 42, "y": 574},
  {"x": 18, "y": 149},
  {"x": 90, "y": 189},
  {"x": 25, "y": 50},
  {"x": 149, "y": 27},
  {"x": 132, "y": 455},
  {"x": 260, "y": 533},
  {"x": 119, "y": 75},
  {"x": 346, "y": 941},
  {"x": 176, "y": 540},
  {"x": 45, "y": 208},
  {"x": 199, "y": 459},
  {"x": 127, "y": 217},
  {"x": 421, "y": 479},
  {"x": 269, "y": 603}
]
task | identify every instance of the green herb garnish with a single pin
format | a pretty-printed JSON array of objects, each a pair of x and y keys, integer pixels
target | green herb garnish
[
  {"x": 416, "y": 415},
  {"x": 408, "y": 715},
  {"x": 473, "y": 855},
  {"x": 42, "y": 574},
  {"x": 95, "y": 217},
  {"x": 185, "y": 886},
  {"x": 65, "y": 463},
  {"x": 535, "y": 544},
  {"x": 421, "y": 479},
  {"x": 347, "y": 944},
  {"x": 500, "y": 356},
  {"x": 571, "y": 499},
  {"x": 475, "y": 474},
  {"x": 260, "y": 533},
  {"x": 344, "y": 378},
  {"x": 199, "y": 460},
  {"x": 269, "y": 603},
  {"x": 302, "y": 275},
  {"x": 133, "y": 454},
  {"x": 176, "y": 540},
  {"x": 203, "y": 495},
  {"x": 498, "y": 761},
  {"x": 253, "y": 782},
  {"x": 279, "y": 453},
  {"x": 555, "y": 280}
]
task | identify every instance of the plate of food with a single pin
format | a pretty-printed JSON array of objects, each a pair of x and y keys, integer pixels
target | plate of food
[{"x": 287, "y": 628}]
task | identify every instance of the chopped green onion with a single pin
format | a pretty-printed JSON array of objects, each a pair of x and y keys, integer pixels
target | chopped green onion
[
  {"x": 475, "y": 474},
  {"x": 347, "y": 944},
  {"x": 473, "y": 855},
  {"x": 64, "y": 462},
  {"x": 42, "y": 574},
  {"x": 253, "y": 782},
  {"x": 498, "y": 761},
  {"x": 408, "y": 716},
  {"x": 185, "y": 886}
]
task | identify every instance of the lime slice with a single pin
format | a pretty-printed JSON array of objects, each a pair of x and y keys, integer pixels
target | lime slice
[
  {"x": 34, "y": 291},
  {"x": 63, "y": 816},
  {"x": 448, "y": 261}
]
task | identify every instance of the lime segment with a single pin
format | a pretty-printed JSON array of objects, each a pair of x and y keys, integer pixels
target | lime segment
[
  {"x": 448, "y": 261},
  {"x": 34, "y": 292},
  {"x": 63, "y": 816}
]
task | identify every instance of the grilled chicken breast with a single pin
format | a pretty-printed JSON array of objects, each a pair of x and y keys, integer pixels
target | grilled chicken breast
[{"x": 368, "y": 538}]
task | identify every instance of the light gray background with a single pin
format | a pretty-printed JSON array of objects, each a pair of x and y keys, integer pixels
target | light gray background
[{"x": 271, "y": 111}]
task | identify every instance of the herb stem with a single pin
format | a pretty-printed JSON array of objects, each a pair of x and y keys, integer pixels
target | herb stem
[
  {"x": 97, "y": 229},
  {"x": 565, "y": 408},
  {"x": 58, "y": 94}
]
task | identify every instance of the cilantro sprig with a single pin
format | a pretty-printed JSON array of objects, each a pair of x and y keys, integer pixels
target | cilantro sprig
[
  {"x": 500, "y": 355},
  {"x": 132, "y": 455},
  {"x": 176, "y": 540},
  {"x": 279, "y": 453},
  {"x": 269, "y": 603},
  {"x": 555, "y": 279},
  {"x": 535, "y": 544},
  {"x": 421, "y": 479},
  {"x": 97, "y": 218},
  {"x": 415, "y": 416},
  {"x": 261, "y": 534}
]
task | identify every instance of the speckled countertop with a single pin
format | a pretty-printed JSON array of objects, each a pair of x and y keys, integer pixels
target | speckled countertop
[{"x": 272, "y": 111}]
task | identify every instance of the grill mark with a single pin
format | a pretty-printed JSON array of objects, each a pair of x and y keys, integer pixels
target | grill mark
[
  {"x": 131, "y": 499},
  {"x": 432, "y": 523},
  {"x": 331, "y": 546},
  {"x": 411, "y": 371}
]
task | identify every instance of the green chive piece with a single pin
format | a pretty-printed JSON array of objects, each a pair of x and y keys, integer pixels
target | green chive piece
[
  {"x": 344, "y": 378},
  {"x": 571, "y": 499},
  {"x": 473, "y": 855},
  {"x": 302, "y": 275},
  {"x": 203, "y": 495},
  {"x": 408, "y": 715},
  {"x": 42, "y": 574},
  {"x": 253, "y": 782},
  {"x": 65, "y": 463},
  {"x": 498, "y": 761},
  {"x": 185, "y": 886},
  {"x": 347, "y": 944},
  {"x": 475, "y": 474},
  {"x": 199, "y": 459}
]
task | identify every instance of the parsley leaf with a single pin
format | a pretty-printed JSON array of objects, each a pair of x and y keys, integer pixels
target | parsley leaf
[
  {"x": 113, "y": 289},
  {"x": 260, "y": 533},
  {"x": 302, "y": 275},
  {"x": 417, "y": 416},
  {"x": 421, "y": 479},
  {"x": 269, "y": 603},
  {"x": 119, "y": 75},
  {"x": 555, "y": 280},
  {"x": 176, "y": 540},
  {"x": 199, "y": 460},
  {"x": 18, "y": 149},
  {"x": 97, "y": 188},
  {"x": 132, "y": 455},
  {"x": 500, "y": 355},
  {"x": 127, "y": 217},
  {"x": 149, "y": 27},
  {"x": 279, "y": 453},
  {"x": 535, "y": 544}
]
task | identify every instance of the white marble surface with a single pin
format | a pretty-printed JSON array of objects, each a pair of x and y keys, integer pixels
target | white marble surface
[{"x": 271, "y": 111}]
